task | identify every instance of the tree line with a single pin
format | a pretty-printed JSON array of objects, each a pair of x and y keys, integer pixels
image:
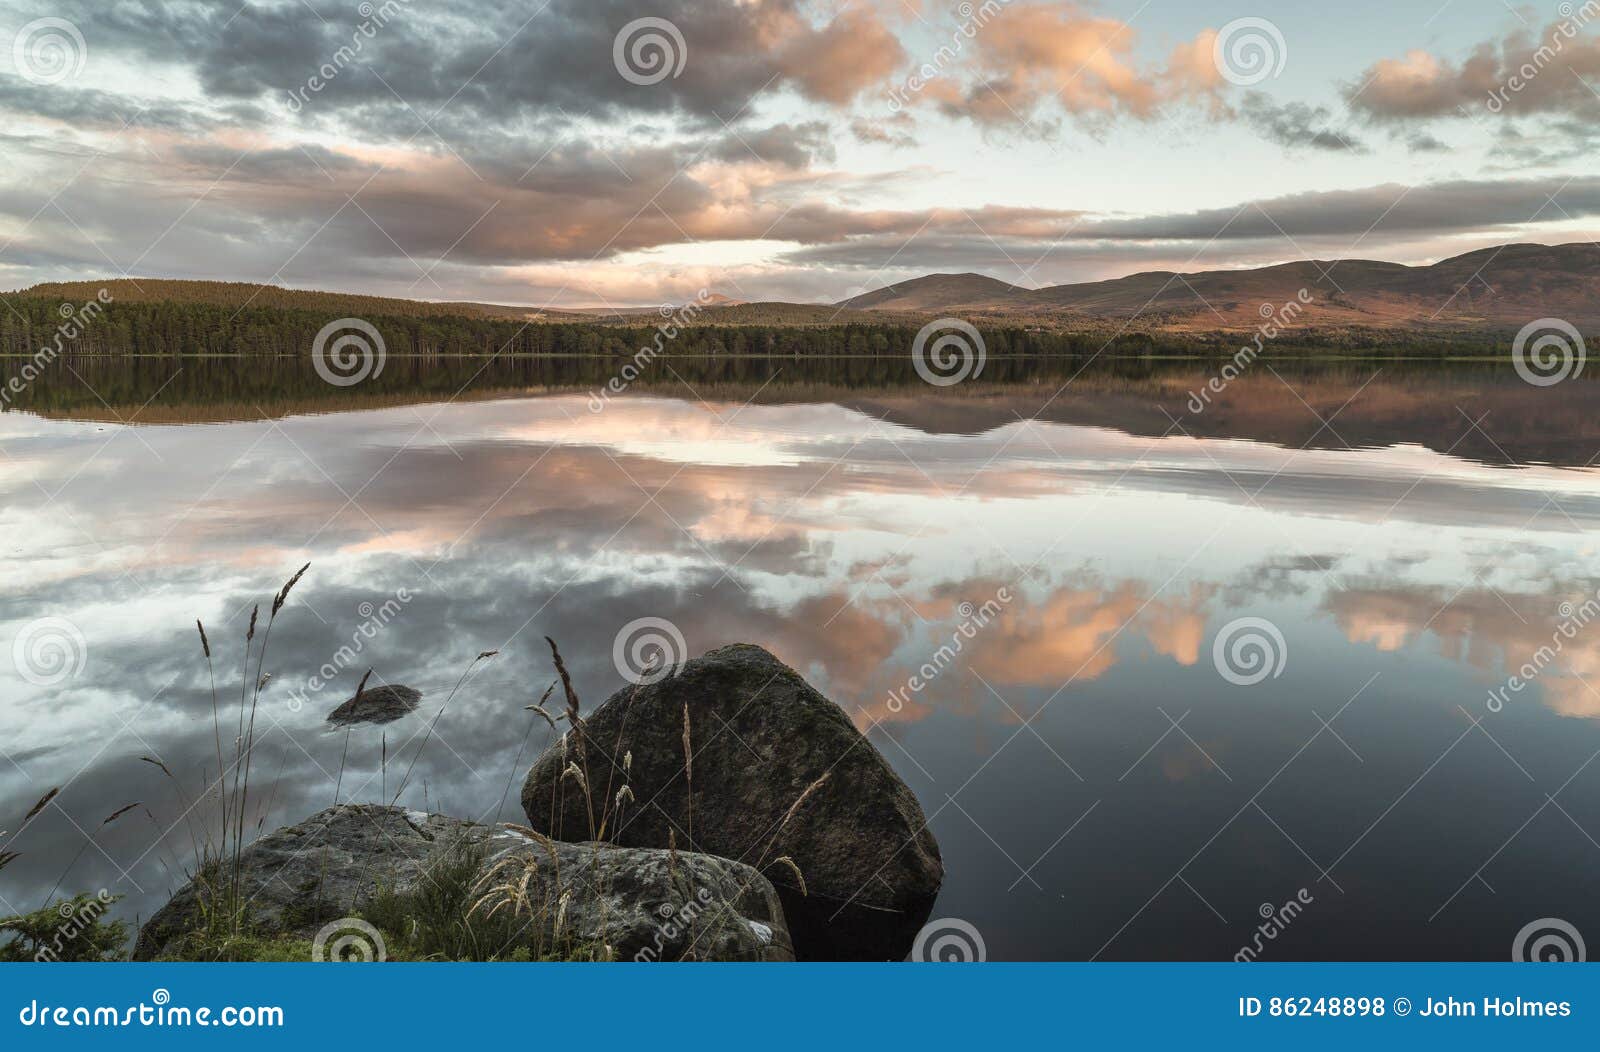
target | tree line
[{"x": 165, "y": 328}]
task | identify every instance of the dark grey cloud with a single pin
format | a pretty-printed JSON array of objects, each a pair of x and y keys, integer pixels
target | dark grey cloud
[
  {"x": 791, "y": 145},
  {"x": 93, "y": 108},
  {"x": 1328, "y": 221},
  {"x": 1422, "y": 142},
  {"x": 1297, "y": 125},
  {"x": 1447, "y": 207},
  {"x": 490, "y": 61}
]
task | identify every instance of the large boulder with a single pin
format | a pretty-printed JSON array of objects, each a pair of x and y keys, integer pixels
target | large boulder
[
  {"x": 596, "y": 899},
  {"x": 779, "y": 774}
]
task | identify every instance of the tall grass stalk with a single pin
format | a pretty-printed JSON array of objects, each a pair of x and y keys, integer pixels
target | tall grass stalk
[{"x": 484, "y": 656}]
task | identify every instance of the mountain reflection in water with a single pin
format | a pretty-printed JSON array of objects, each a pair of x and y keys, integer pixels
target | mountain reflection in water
[{"x": 1097, "y": 787}]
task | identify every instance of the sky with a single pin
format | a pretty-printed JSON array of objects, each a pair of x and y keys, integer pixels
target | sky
[{"x": 632, "y": 152}]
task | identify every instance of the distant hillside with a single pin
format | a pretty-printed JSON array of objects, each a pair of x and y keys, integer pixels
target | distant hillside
[
  {"x": 238, "y": 294},
  {"x": 938, "y": 292},
  {"x": 1475, "y": 297},
  {"x": 1499, "y": 287}
]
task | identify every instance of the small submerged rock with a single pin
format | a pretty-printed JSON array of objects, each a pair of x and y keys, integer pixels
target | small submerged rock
[{"x": 378, "y": 705}]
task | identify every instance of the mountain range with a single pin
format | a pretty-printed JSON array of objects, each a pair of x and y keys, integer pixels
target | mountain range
[
  {"x": 1495, "y": 288},
  {"x": 1509, "y": 285}
]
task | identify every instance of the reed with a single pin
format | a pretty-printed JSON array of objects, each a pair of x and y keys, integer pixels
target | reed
[
  {"x": 484, "y": 656},
  {"x": 87, "y": 842},
  {"x": 688, "y": 775},
  {"x": 578, "y": 734},
  {"x": 216, "y": 857}
]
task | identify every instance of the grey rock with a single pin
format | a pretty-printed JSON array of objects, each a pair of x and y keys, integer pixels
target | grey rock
[
  {"x": 761, "y": 736},
  {"x": 376, "y": 706},
  {"x": 630, "y": 904}
]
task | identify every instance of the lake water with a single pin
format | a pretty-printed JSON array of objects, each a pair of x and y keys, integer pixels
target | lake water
[{"x": 1399, "y": 538}]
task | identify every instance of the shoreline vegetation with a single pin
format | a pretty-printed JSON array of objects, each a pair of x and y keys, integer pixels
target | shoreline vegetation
[
  {"x": 199, "y": 328},
  {"x": 587, "y": 879}
]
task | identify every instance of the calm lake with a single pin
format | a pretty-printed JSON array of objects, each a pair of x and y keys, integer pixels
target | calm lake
[{"x": 1108, "y": 776}]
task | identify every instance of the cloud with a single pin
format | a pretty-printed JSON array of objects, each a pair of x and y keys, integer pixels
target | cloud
[
  {"x": 1422, "y": 142},
  {"x": 1297, "y": 125},
  {"x": 1524, "y": 73},
  {"x": 1428, "y": 219},
  {"x": 891, "y": 131},
  {"x": 1493, "y": 633},
  {"x": 1027, "y": 59},
  {"x": 853, "y": 52},
  {"x": 1445, "y": 207},
  {"x": 489, "y": 61}
]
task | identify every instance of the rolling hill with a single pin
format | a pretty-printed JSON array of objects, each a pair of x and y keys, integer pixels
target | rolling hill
[
  {"x": 1505, "y": 286},
  {"x": 239, "y": 294},
  {"x": 1489, "y": 290},
  {"x": 938, "y": 292}
]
